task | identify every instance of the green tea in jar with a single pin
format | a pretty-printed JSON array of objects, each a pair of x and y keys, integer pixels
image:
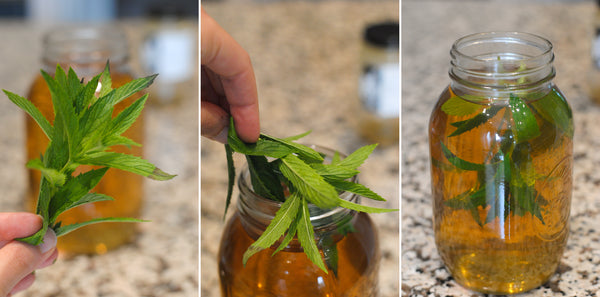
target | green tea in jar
[{"x": 501, "y": 142}]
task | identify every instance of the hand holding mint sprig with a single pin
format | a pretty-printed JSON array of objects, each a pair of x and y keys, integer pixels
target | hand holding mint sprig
[{"x": 83, "y": 131}]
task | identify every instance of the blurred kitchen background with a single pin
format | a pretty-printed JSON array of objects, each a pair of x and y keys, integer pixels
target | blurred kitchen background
[{"x": 162, "y": 37}]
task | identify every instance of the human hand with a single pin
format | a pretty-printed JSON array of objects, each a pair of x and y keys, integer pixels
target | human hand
[
  {"x": 18, "y": 260},
  {"x": 228, "y": 85}
]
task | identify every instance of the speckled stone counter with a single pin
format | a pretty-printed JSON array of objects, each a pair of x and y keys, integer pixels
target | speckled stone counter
[
  {"x": 428, "y": 30},
  {"x": 306, "y": 59},
  {"x": 163, "y": 259}
]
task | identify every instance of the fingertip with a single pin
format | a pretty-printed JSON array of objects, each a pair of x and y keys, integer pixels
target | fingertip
[
  {"x": 49, "y": 241},
  {"x": 23, "y": 284}
]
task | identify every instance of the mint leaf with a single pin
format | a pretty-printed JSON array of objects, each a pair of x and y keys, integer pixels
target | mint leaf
[
  {"x": 264, "y": 180},
  {"x": 231, "y": 176},
  {"x": 524, "y": 123},
  {"x": 307, "y": 238},
  {"x": 359, "y": 189},
  {"x": 555, "y": 109},
  {"x": 282, "y": 220},
  {"x": 457, "y": 106},
  {"x": 458, "y": 162},
  {"x": 363, "y": 208},
  {"x": 53, "y": 176},
  {"x": 358, "y": 157},
  {"x": 476, "y": 121},
  {"x": 63, "y": 230},
  {"x": 308, "y": 182},
  {"x": 31, "y": 110}
]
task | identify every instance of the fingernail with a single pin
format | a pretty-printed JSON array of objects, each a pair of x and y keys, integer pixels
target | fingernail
[
  {"x": 49, "y": 241},
  {"x": 222, "y": 136}
]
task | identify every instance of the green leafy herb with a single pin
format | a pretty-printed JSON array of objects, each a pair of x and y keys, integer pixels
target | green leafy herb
[
  {"x": 83, "y": 131},
  {"x": 301, "y": 170},
  {"x": 507, "y": 178}
]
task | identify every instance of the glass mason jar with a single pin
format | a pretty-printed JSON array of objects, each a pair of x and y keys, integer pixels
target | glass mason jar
[
  {"x": 379, "y": 83},
  {"x": 501, "y": 143},
  {"x": 348, "y": 235},
  {"x": 86, "y": 50}
]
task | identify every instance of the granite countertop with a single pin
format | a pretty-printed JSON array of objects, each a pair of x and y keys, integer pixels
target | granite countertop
[
  {"x": 306, "y": 59},
  {"x": 428, "y": 30},
  {"x": 162, "y": 260}
]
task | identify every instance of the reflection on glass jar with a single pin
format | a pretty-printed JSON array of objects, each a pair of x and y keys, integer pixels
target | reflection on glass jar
[
  {"x": 86, "y": 50},
  {"x": 344, "y": 236},
  {"x": 501, "y": 143}
]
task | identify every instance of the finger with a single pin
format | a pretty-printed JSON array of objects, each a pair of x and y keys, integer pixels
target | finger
[
  {"x": 18, "y": 224},
  {"x": 49, "y": 260},
  {"x": 226, "y": 58},
  {"x": 24, "y": 283},
  {"x": 18, "y": 259},
  {"x": 214, "y": 122}
]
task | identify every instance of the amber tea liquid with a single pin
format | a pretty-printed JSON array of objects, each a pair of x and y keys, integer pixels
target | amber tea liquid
[
  {"x": 124, "y": 187},
  {"x": 289, "y": 273},
  {"x": 513, "y": 251}
]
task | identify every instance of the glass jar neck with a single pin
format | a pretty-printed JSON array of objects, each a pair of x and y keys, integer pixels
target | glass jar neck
[
  {"x": 86, "y": 49},
  {"x": 496, "y": 64},
  {"x": 256, "y": 212}
]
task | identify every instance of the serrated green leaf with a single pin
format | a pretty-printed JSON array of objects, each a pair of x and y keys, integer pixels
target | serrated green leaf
[
  {"x": 289, "y": 235},
  {"x": 265, "y": 182},
  {"x": 358, "y": 157},
  {"x": 55, "y": 177},
  {"x": 307, "y": 238},
  {"x": 64, "y": 230},
  {"x": 116, "y": 140},
  {"x": 457, "y": 106},
  {"x": 296, "y": 137},
  {"x": 334, "y": 172},
  {"x": 363, "y": 208},
  {"x": 73, "y": 191},
  {"x": 458, "y": 162},
  {"x": 127, "y": 117},
  {"x": 330, "y": 253},
  {"x": 91, "y": 198},
  {"x": 356, "y": 188},
  {"x": 555, "y": 109},
  {"x": 525, "y": 125},
  {"x": 85, "y": 97},
  {"x": 125, "y": 162},
  {"x": 310, "y": 184},
  {"x": 280, "y": 223},
  {"x": 262, "y": 147},
  {"x": 231, "y": 176},
  {"x": 105, "y": 81},
  {"x": 476, "y": 121},
  {"x": 32, "y": 111},
  {"x": 303, "y": 151},
  {"x": 131, "y": 88}
]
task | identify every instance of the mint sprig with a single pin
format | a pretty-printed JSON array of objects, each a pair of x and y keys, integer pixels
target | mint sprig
[
  {"x": 506, "y": 180},
  {"x": 83, "y": 132},
  {"x": 280, "y": 162}
]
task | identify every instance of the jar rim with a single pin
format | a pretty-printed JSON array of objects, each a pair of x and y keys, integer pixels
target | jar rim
[
  {"x": 500, "y": 63},
  {"x": 507, "y": 37},
  {"x": 85, "y": 45}
]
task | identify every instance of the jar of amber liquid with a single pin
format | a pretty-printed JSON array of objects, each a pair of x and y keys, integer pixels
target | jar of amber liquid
[
  {"x": 87, "y": 51},
  {"x": 339, "y": 233},
  {"x": 501, "y": 145}
]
